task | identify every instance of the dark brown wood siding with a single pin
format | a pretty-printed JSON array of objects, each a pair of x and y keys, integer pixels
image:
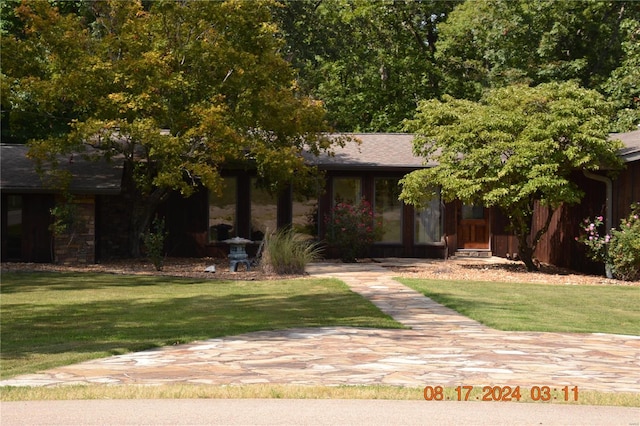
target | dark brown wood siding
[
  {"x": 35, "y": 235},
  {"x": 558, "y": 246},
  {"x": 626, "y": 191}
]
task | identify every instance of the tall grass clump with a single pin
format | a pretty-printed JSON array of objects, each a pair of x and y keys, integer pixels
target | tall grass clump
[{"x": 287, "y": 253}]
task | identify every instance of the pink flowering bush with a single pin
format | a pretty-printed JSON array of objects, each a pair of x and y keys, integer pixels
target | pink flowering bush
[
  {"x": 596, "y": 243},
  {"x": 621, "y": 249},
  {"x": 352, "y": 229}
]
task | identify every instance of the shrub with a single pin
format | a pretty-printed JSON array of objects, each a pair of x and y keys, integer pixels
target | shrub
[
  {"x": 621, "y": 249},
  {"x": 624, "y": 247},
  {"x": 154, "y": 243},
  {"x": 288, "y": 253},
  {"x": 352, "y": 229},
  {"x": 596, "y": 243}
]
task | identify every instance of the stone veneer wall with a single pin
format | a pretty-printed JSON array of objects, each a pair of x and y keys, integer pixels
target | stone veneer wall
[{"x": 77, "y": 245}]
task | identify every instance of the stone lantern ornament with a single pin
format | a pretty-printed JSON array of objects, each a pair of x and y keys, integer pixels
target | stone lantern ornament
[{"x": 238, "y": 253}]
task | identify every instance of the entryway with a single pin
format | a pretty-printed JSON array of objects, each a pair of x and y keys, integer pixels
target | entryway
[{"x": 474, "y": 231}]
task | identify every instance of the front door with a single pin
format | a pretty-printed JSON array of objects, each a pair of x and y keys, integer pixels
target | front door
[{"x": 473, "y": 227}]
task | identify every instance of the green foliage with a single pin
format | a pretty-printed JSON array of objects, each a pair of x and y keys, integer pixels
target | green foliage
[
  {"x": 596, "y": 243},
  {"x": 518, "y": 145},
  {"x": 620, "y": 249},
  {"x": 288, "y": 253},
  {"x": 624, "y": 248},
  {"x": 351, "y": 229},
  {"x": 65, "y": 215},
  {"x": 496, "y": 43},
  {"x": 368, "y": 61},
  {"x": 623, "y": 86},
  {"x": 176, "y": 89},
  {"x": 154, "y": 240}
]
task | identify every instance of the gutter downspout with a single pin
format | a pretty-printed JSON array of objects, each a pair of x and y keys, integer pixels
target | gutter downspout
[{"x": 609, "y": 206}]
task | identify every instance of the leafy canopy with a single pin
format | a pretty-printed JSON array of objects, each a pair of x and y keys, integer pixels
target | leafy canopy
[
  {"x": 516, "y": 146},
  {"x": 177, "y": 89}
]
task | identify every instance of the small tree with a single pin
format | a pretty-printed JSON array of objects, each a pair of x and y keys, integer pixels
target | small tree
[
  {"x": 516, "y": 146},
  {"x": 154, "y": 240}
]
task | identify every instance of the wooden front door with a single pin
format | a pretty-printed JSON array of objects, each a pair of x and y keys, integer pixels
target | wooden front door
[{"x": 473, "y": 227}]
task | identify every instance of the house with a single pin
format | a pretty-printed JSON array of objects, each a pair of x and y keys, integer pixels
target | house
[
  {"x": 370, "y": 169},
  {"x": 602, "y": 196},
  {"x": 27, "y": 204}
]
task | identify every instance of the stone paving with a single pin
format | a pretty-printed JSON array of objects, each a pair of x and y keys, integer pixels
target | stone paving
[{"x": 440, "y": 348}]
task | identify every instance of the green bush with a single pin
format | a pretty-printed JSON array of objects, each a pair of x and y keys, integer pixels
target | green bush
[
  {"x": 624, "y": 247},
  {"x": 154, "y": 243},
  {"x": 288, "y": 253},
  {"x": 621, "y": 249},
  {"x": 352, "y": 229}
]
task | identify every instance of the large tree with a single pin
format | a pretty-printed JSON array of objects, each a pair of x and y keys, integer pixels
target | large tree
[
  {"x": 176, "y": 89},
  {"x": 623, "y": 86},
  {"x": 517, "y": 146},
  {"x": 495, "y": 43},
  {"x": 370, "y": 62}
]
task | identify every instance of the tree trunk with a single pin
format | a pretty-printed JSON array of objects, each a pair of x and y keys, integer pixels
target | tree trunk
[
  {"x": 526, "y": 255},
  {"x": 143, "y": 210}
]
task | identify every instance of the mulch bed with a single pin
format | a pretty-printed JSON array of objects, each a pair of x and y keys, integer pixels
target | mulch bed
[{"x": 452, "y": 269}]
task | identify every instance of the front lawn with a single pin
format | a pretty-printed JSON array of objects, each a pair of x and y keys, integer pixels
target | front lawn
[
  {"x": 53, "y": 319},
  {"x": 539, "y": 307}
]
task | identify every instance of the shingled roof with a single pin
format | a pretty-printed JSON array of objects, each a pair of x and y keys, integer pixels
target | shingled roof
[
  {"x": 631, "y": 141},
  {"x": 18, "y": 173},
  {"x": 375, "y": 150},
  {"x": 395, "y": 151}
]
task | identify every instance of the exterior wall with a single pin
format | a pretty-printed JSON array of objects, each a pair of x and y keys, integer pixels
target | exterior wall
[
  {"x": 33, "y": 243},
  {"x": 626, "y": 191},
  {"x": 558, "y": 246},
  {"x": 406, "y": 248},
  {"x": 187, "y": 221},
  {"x": 112, "y": 227},
  {"x": 77, "y": 245}
]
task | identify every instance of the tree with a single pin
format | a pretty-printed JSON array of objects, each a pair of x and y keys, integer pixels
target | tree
[
  {"x": 370, "y": 62},
  {"x": 623, "y": 86},
  {"x": 175, "y": 89},
  {"x": 500, "y": 42},
  {"x": 517, "y": 146}
]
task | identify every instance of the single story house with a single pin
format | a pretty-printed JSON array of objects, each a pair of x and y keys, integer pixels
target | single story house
[
  {"x": 27, "y": 203},
  {"x": 371, "y": 169}
]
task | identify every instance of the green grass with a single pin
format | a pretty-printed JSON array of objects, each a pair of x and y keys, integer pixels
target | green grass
[
  {"x": 539, "y": 307},
  {"x": 51, "y": 319}
]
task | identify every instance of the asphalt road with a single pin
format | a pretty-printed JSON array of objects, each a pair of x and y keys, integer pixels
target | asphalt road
[{"x": 307, "y": 412}]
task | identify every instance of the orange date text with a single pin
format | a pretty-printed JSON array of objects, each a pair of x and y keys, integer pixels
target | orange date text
[{"x": 501, "y": 393}]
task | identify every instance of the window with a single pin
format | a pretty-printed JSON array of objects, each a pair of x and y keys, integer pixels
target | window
[
  {"x": 264, "y": 211},
  {"x": 346, "y": 190},
  {"x": 429, "y": 222},
  {"x": 388, "y": 207},
  {"x": 472, "y": 211},
  {"x": 305, "y": 216},
  {"x": 222, "y": 211}
]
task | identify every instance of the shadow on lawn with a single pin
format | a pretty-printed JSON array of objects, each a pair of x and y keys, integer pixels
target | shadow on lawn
[{"x": 131, "y": 324}]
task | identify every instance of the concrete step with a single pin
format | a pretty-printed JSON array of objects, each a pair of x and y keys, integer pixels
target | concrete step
[{"x": 473, "y": 253}]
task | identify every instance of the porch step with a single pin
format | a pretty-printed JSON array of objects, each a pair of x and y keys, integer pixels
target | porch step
[{"x": 473, "y": 253}]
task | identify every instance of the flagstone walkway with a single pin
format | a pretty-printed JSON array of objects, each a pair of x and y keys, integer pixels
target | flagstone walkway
[{"x": 441, "y": 348}]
